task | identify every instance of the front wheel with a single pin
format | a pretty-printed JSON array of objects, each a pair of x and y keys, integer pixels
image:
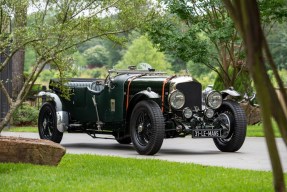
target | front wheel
[
  {"x": 233, "y": 119},
  {"x": 47, "y": 123},
  {"x": 147, "y": 127}
]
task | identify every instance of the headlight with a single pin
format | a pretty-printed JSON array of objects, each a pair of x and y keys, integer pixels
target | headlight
[
  {"x": 187, "y": 113},
  {"x": 176, "y": 99},
  {"x": 213, "y": 100},
  {"x": 209, "y": 113}
]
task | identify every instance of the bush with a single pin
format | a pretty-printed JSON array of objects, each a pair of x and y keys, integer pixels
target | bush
[{"x": 25, "y": 115}]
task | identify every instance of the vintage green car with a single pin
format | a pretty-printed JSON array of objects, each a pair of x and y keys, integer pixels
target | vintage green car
[{"x": 142, "y": 107}]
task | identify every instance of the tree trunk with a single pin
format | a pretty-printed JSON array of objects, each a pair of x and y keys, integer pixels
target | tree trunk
[
  {"x": 9, "y": 114},
  {"x": 18, "y": 58},
  {"x": 17, "y": 72},
  {"x": 246, "y": 16}
]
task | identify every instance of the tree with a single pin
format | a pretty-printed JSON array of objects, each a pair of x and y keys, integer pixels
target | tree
[
  {"x": 56, "y": 27},
  {"x": 277, "y": 39},
  {"x": 201, "y": 31},
  {"x": 97, "y": 56},
  {"x": 207, "y": 36},
  {"x": 114, "y": 48},
  {"x": 20, "y": 21},
  {"x": 246, "y": 16},
  {"x": 196, "y": 69},
  {"x": 174, "y": 37},
  {"x": 142, "y": 50}
]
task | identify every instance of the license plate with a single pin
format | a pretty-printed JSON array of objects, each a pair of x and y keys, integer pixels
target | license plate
[{"x": 206, "y": 133}]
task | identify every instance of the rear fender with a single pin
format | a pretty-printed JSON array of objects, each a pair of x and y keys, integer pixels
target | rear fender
[{"x": 62, "y": 116}]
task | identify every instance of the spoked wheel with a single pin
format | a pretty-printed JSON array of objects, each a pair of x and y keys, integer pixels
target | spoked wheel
[
  {"x": 233, "y": 122},
  {"x": 147, "y": 127},
  {"x": 47, "y": 123}
]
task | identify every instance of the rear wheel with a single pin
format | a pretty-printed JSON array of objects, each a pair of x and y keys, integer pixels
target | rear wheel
[
  {"x": 147, "y": 127},
  {"x": 233, "y": 120},
  {"x": 47, "y": 123}
]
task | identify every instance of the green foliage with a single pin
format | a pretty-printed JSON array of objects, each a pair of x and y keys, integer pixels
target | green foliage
[
  {"x": 177, "y": 39},
  {"x": 189, "y": 33},
  {"x": 242, "y": 82},
  {"x": 282, "y": 74},
  {"x": 95, "y": 73},
  {"x": 46, "y": 75},
  {"x": 180, "y": 43},
  {"x": 207, "y": 79},
  {"x": 197, "y": 69},
  {"x": 88, "y": 44},
  {"x": 273, "y": 11},
  {"x": 201, "y": 73},
  {"x": 218, "y": 84},
  {"x": 35, "y": 89},
  {"x": 277, "y": 39},
  {"x": 114, "y": 48},
  {"x": 142, "y": 50},
  {"x": 25, "y": 115},
  {"x": 102, "y": 173},
  {"x": 200, "y": 32},
  {"x": 97, "y": 56},
  {"x": 203, "y": 32},
  {"x": 54, "y": 28},
  {"x": 79, "y": 59},
  {"x": 30, "y": 59}
]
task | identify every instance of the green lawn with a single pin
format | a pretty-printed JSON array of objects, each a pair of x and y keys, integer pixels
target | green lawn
[
  {"x": 22, "y": 129},
  {"x": 252, "y": 130},
  {"x": 257, "y": 131},
  {"x": 100, "y": 173}
]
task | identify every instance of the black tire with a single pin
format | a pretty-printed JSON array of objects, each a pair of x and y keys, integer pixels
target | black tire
[
  {"x": 147, "y": 127},
  {"x": 236, "y": 117},
  {"x": 47, "y": 123},
  {"x": 126, "y": 140}
]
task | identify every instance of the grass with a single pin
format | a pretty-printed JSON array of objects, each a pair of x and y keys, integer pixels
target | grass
[
  {"x": 22, "y": 129},
  {"x": 257, "y": 131},
  {"x": 101, "y": 173}
]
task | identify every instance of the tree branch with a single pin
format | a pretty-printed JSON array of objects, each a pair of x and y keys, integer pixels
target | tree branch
[{"x": 5, "y": 92}]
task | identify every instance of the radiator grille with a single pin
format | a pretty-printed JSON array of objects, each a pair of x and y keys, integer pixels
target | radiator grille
[{"x": 192, "y": 92}]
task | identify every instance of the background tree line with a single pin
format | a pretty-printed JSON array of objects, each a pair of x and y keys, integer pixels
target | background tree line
[{"x": 207, "y": 46}]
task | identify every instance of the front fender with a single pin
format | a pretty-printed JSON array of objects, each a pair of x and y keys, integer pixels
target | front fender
[
  {"x": 230, "y": 91},
  {"x": 146, "y": 94},
  {"x": 62, "y": 116}
]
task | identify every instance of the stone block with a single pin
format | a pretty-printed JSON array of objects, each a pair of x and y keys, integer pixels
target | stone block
[{"x": 34, "y": 151}]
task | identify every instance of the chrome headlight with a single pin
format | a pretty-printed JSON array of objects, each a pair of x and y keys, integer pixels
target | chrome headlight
[
  {"x": 187, "y": 113},
  {"x": 209, "y": 113},
  {"x": 176, "y": 99},
  {"x": 213, "y": 100}
]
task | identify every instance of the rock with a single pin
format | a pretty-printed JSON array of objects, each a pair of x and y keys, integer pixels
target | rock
[
  {"x": 34, "y": 151},
  {"x": 253, "y": 115}
]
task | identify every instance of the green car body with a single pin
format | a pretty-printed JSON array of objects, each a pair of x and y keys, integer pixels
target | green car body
[{"x": 142, "y": 107}]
